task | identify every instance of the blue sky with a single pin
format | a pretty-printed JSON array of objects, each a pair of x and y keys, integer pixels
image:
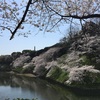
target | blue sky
[{"x": 20, "y": 43}]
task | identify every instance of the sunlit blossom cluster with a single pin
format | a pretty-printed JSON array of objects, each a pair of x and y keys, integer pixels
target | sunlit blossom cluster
[
  {"x": 77, "y": 74},
  {"x": 44, "y": 15}
]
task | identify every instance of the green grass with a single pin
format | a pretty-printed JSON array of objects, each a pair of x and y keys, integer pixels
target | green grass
[
  {"x": 58, "y": 74},
  {"x": 85, "y": 60},
  {"x": 62, "y": 77}
]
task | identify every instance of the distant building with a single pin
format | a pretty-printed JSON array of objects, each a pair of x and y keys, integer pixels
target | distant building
[{"x": 34, "y": 48}]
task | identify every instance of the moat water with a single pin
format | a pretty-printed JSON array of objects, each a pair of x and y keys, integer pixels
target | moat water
[{"x": 14, "y": 86}]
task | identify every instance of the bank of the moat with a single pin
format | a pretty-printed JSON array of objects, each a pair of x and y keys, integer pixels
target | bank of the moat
[{"x": 74, "y": 62}]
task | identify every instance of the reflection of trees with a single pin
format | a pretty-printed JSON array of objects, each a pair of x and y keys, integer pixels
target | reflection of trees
[
  {"x": 39, "y": 88},
  {"x": 5, "y": 79}
]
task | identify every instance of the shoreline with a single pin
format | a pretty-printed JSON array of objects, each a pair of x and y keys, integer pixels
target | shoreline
[
  {"x": 87, "y": 91},
  {"x": 26, "y": 74}
]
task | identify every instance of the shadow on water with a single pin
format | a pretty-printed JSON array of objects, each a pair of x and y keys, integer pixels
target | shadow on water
[{"x": 13, "y": 86}]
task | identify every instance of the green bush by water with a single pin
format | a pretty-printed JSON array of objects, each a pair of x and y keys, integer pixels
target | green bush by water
[{"x": 58, "y": 74}]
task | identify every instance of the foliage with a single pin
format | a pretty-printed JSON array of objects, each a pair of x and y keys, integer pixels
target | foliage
[
  {"x": 15, "y": 55},
  {"x": 90, "y": 60},
  {"x": 7, "y": 59},
  {"x": 26, "y": 51},
  {"x": 90, "y": 80},
  {"x": 5, "y": 67},
  {"x": 70, "y": 35},
  {"x": 85, "y": 76},
  {"x": 57, "y": 74},
  {"x": 31, "y": 53},
  {"x": 45, "y": 14},
  {"x": 18, "y": 69},
  {"x": 28, "y": 69},
  {"x": 85, "y": 60},
  {"x": 62, "y": 59}
]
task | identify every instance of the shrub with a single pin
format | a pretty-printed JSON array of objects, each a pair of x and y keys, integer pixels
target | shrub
[
  {"x": 28, "y": 69},
  {"x": 57, "y": 74},
  {"x": 85, "y": 60},
  {"x": 18, "y": 69}
]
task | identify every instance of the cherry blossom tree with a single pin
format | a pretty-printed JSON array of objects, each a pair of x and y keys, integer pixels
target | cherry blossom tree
[{"x": 45, "y": 14}]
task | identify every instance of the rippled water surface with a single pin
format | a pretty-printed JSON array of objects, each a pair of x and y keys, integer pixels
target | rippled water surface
[{"x": 12, "y": 86}]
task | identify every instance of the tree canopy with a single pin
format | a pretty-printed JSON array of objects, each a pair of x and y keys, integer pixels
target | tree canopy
[{"x": 45, "y": 14}]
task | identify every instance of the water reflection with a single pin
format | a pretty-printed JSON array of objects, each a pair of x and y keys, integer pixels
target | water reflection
[{"x": 12, "y": 86}]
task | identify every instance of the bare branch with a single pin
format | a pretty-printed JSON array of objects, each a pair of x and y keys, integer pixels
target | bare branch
[
  {"x": 7, "y": 28},
  {"x": 46, "y": 14},
  {"x": 76, "y": 16},
  {"x": 27, "y": 8},
  {"x": 55, "y": 23},
  {"x": 83, "y": 17}
]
